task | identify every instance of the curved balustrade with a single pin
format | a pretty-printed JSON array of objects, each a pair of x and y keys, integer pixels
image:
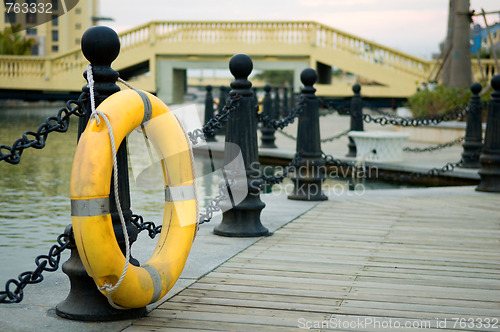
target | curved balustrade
[{"x": 303, "y": 38}]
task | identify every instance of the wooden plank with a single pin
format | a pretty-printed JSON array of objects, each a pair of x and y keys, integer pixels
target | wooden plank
[
  {"x": 309, "y": 296},
  {"x": 332, "y": 285},
  {"x": 166, "y": 324},
  {"x": 360, "y": 259}
]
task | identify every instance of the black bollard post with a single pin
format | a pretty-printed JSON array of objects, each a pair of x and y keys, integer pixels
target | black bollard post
[
  {"x": 277, "y": 102},
  {"x": 243, "y": 220},
  {"x": 267, "y": 138},
  {"x": 490, "y": 156},
  {"x": 473, "y": 131},
  {"x": 209, "y": 112},
  {"x": 220, "y": 106},
  {"x": 101, "y": 46},
  {"x": 310, "y": 170},
  {"x": 286, "y": 109},
  {"x": 356, "y": 118}
]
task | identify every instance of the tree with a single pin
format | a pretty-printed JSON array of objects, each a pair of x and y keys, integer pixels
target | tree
[
  {"x": 457, "y": 70},
  {"x": 461, "y": 72},
  {"x": 13, "y": 43},
  {"x": 276, "y": 77}
]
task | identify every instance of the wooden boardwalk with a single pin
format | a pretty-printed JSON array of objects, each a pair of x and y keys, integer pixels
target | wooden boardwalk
[{"x": 359, "y": 264}]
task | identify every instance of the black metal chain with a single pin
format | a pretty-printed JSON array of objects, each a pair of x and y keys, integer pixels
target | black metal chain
[
  {"x": 216, "y": 122},
  {"x": 142, "y": 225},
  {"x": 454, "y": 114},
  {"x": 31, "y": 139},
  {"x": 14, "y": 289},
  {"x": 448, "y": 167},
  {"x": 276, "y": 179},
  {"x": 290, "y": 118},
  {"x": 212, "y": 207},
  {"x": 433, "y": 172},
  {"x": 332, "y": 107},
  {"x": 435, "y": 147},
  {"x": 332, "y": 161},
  {"x": 390, "y": 119},
  {"x": 333, "y": 138}
]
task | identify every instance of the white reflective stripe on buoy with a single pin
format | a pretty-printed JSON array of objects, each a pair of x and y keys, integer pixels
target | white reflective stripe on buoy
[
  {"x": 148, "y": 108},
  {"x": 181, "y": 193},
  {"x": 155, "y": 276},
  {"x": 90, "y": 207}
]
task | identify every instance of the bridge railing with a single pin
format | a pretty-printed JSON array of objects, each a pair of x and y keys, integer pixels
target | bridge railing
[
  {"x": 40, "y": 70},
  {"x": 370, "y": 51},
  {"x": 282, "y": 32}
]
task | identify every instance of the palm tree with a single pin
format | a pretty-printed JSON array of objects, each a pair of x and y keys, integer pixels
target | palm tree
[{"x": 13, "y": 43}]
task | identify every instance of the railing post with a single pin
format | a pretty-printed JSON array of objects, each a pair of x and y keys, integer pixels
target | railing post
[
  {"x": 267, "y": 137},
  {"x": 101, "y": 46},
  {"x": 490, "y": 156},
  {"x": 243, "y": 220},
  {"x": 220, "y": 106},
  {"x": 286, "y": 109},
  {"x": 209, "y": 112},
  {"x": 277, "y": 102},
  {"x": 310, "y": 169},
  {"x": 356, "y": 118},
  {"x": 474, "y": 131}
]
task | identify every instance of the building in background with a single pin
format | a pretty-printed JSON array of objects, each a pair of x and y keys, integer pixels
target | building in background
[
  {"x": 57, "y": 30},
  {"x": 481, "y": 41}
]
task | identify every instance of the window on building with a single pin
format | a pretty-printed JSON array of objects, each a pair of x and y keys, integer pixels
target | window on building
[
  {"x": 78, "y": 26},
  {"x": 78, "y": 41},
  {"x": 10, "y": 17},
  {"x": 55, "y": 4},
  {"x": 78, "y": 11},
  {"x": 55, "y": 35},
  {"x": 55, "y": 48},
  {"x": 31, "y": 18},
  {"x": 55, "y": 20},
  {"x": 31, "y": 31}
]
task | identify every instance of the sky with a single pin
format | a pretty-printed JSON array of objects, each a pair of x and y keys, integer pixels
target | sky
[{"x": 412, "y": 26}]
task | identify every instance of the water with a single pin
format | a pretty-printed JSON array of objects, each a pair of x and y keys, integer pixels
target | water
[{"x": 34, "y": 195}]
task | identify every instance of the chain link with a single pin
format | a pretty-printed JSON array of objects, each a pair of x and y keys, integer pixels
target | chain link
[
  {"x": 276, "y": 179},
  {"x": 390, "y": 119},
  {"x": 216, "y": 122},
  {"x": 330, "y": 139},
  {"x": 142, "y": 225},
  {"x": 286, "y": 134},
  {"x": 332, "y": 107},
  {"x": 448, "y": 167},
  {"x": 455, "y": 114},
  {"x": 290, "y": 118},
  {"x": 212, "y": 207},
  {"x": 435, "y": 147},
  {"x": 14, "y": 289},
  {"x": 31, "y": 139}
]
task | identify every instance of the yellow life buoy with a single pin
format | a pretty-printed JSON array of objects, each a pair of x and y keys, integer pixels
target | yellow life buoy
[{"x": 90, "y": 188}]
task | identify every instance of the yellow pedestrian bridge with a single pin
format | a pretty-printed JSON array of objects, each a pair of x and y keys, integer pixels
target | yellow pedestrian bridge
[{"x": 155, "y": 57}]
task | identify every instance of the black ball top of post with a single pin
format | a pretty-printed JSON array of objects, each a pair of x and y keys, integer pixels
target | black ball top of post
[
  {"x": 495, "y": 82},
  {"x": 208, "y": 88},
  {"x": 308, "y": 77},
  {"x": 241, "y": 66},
  {"x": 356, "y": 88},
  {"x": 100, "y": 45},
  {"x": 475, "y": 88},
  {"x": 267, "y": 88}
]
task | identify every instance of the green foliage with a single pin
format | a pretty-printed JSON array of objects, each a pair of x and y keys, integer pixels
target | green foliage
[
  {"x": 276, "y": 77},
  {"x": 13, "y": 43},
  {"x": 437, "y": 101}
]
